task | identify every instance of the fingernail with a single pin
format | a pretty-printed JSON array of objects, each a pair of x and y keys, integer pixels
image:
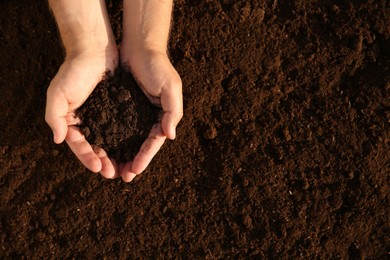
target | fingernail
[
  {"x": 132, "y": 177},
  {"x": 55, "y": 138},
  {"x": 173, "y": 132}
]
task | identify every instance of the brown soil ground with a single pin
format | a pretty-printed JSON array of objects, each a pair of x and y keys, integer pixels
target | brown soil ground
[{"x": 283, "y": 151}]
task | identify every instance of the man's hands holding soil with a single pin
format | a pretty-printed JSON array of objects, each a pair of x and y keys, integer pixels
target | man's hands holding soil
[{"x": 90, "y": 51}]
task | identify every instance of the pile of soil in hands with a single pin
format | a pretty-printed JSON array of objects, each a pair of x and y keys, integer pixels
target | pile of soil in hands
[{"x": 117, "y": 116}]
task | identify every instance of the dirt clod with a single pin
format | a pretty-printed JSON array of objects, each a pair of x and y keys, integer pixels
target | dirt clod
[{"x": 210, "y": 132}]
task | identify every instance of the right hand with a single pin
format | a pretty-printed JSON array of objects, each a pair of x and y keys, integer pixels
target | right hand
[{"x": 73, "y": 83}]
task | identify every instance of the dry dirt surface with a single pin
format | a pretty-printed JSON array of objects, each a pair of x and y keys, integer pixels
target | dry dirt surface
[{"x": 283, "y": 151}]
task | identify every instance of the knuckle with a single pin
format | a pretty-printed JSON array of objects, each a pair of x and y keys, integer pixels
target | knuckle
[
  {"x": 177, "y": 81},
  {"x": 178, "y": 114},
  {"x": 48, "y": 119}
]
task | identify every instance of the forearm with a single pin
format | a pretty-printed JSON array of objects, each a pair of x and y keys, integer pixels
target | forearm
[
  {"x": 84, "y": 25},
  {"x": 146, "y": 25}
]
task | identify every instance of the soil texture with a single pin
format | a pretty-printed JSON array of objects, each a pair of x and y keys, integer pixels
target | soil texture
[
  {"x": 117, "y": 116},
  {"x": 282, "y": 153}
]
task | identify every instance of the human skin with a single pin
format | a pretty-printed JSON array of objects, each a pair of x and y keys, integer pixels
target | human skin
[
  {"x": 91, "y": 50},
  {"x": 144, "y": 50}
]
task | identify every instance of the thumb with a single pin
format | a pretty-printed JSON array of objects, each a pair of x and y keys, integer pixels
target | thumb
[
  {"x": 172, "y": 105},
  {"x": 55, "y": 116}
]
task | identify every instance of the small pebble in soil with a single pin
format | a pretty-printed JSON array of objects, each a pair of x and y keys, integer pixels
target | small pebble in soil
[
  {"x": 55, "y": 153},
  {"x": 335, "y": 8},
  {"x": 210, "y": 132},
  {"x": 306, "y": 185},
  {"x": 286, "y": 134},
  {"x": 247, "y": 221}
]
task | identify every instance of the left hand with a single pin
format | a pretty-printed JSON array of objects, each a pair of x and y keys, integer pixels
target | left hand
[{"x": 162, "y": 85}]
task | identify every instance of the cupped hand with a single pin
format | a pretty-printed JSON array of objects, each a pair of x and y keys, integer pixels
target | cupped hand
[
  {"x": 162, "y": 85},
  {"x": 71, "y": 86}
]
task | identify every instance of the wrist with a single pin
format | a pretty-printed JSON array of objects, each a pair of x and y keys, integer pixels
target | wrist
[
  {"x": 135, "y": 54},
  {"x": 99, "y": 59},
  {"x": 143, "y": 33},
  {"x": 88, "y": 48},
  {"x": 85, "y": 40},
  {"x": 84, "y": 26}
]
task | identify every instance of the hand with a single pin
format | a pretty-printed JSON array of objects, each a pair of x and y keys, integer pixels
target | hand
[
  {"x": 74, "y": 82},
  {"x": 162, "y": 85}
]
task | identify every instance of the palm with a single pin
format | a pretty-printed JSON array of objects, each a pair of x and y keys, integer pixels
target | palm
[{"x": 78, "y": 79}]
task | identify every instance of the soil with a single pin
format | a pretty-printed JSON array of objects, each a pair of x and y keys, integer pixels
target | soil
[
  {"x": 283, "y": 151},
  {"x": 117, "y": 116}
]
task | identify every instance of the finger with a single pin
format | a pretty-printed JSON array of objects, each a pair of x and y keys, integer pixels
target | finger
[
  {"x": 82, "y": 149},
  {"x": 116, "y": 167},
  {"x": 148, "y": 149},
  {"x": 127, "y": 174},
  {"x": 108, "y": 169},
  {"x": 172, "y": 105},
  {"x": 55, "y": 115}
]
